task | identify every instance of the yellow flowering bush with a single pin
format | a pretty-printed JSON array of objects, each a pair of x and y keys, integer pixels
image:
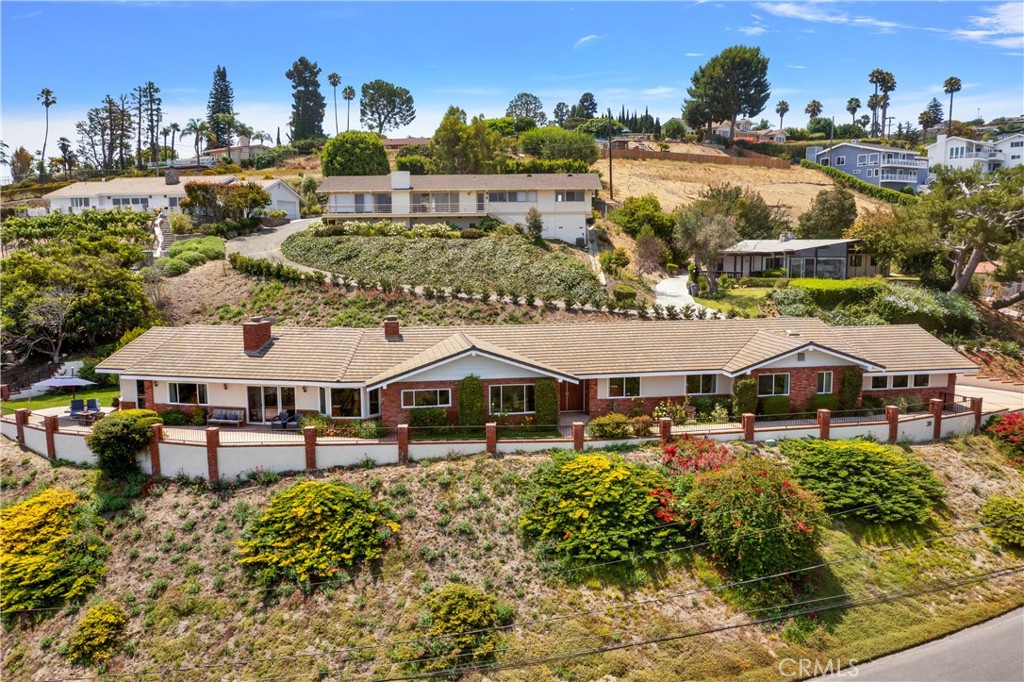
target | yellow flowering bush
[
  {"x": 98, "y": 635},
  {"x": 314, "y": 529},
  {"x": 592, "y": 508},
  {"x": 49, "y": 550}
]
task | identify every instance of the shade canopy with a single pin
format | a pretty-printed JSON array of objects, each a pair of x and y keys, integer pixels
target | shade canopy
[{"x": 65, "y": 382}]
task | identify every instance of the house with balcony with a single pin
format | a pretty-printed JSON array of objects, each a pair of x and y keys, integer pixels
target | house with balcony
[
  {"x": 785, "y": 256},
  {"x": 879, "y": 165},
  {"x": 563, "y": 199},
  {"x": 962, "y": 153}
]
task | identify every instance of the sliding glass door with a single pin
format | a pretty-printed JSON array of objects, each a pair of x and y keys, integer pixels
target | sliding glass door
[{"x": 266, "y": 402}]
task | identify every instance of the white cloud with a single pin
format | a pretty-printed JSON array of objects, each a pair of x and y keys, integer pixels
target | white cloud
[
  {"x": 753, "y": 30},
  {"x": 694, "y": 54},
  {"x": 796, "y": 66},
  {"x": 584, "y": 40},
  {"x": 660, "y": 91},
  {"x": 1002, "y": 26}
]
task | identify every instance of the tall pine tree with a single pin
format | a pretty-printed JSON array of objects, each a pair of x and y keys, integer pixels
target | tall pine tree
[
  {"x": 308, "y": 105},
  {"x": 222, "y": 101}
]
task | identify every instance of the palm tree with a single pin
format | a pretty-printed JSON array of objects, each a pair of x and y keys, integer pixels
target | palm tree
[
  {"x": 199, "y": 129},
  {"x": 165, "y": 132},
  {"x": 875, "y": 78},
  {"x": 874, "y": 104},
  {"x": 48, "y": 100},
  {"x": 852, "y": 105},
  {"x": 175, "y": 129},
  {"x": 335, "y": 80},
  {"x": 951, "y": 85},
  {"x": 349, "y": 93},
  {"x": 927, "y": 120},
  {"x": 782, "y": 108},
  {"x": 887, "y": 85},
  {"x": 813, "y": 108}
]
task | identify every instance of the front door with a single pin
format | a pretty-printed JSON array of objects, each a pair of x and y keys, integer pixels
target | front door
[
  {"x": 571, "y": 397},
  {"x": 140, "y": 391},
  {"x": 266, "y": 402}
]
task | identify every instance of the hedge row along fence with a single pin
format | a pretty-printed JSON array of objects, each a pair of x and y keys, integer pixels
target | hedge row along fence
[{"x": 846, "y": 180}]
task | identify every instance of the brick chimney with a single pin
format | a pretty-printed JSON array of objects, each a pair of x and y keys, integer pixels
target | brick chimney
[
  {"x": 392, "y": 328},
  {"x": 256, "y": 334},
  {"x": 172, "y": 177}
]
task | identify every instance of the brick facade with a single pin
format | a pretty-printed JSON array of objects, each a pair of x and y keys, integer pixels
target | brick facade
[
  {"x": 803, "y": 381},
  {"x": 600, "y": 406},
  {"x": 926, "y": 394},
  {"x": 392, "y": 413}
]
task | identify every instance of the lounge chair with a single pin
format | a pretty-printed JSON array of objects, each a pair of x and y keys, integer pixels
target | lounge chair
[
  {"x": 93, "y": 405},
  {"x": 284, "y": 420},
  {"x": 77, "y": 407}
]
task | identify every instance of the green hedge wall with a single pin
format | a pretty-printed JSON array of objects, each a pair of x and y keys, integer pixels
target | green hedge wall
[
  {"x": 545, "y": 396},
  {"x": 846, "y": 180},
  {"x": 828, "y": 293},
  {"x": 471, "y": 401}
]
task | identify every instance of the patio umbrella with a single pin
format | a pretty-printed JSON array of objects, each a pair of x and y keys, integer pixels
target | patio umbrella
[{"x": 65, "y": 382}]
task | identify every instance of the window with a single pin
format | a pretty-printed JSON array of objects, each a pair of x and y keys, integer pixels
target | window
[
  {"x": 187, "y": 394},
  {"x": 512, "y": 399},
  {"x": 701, "y": 383},
  {"x": 172, "y": 202},
  {"x": 824, "y": 382},
  {"x": 825, "y": 162},
  {"x": 569, "y": 195},
  {"x": 382, "y": 203},
  {"x": 873, "y": 159},
  {"x": 901, "y": 381},
  {"x": 774, "y": 263},
  {"x": 521, "y": 197},
  {"x": 428, "y": 397},
  {"x": 773, "y": 384},
  {"x": 862, "y": 159},
  {"x": 921, "y": 380},
  {"x": 624, "y": 387},
  {"x": 345, "y": 402},
  {"x": 840, "y": 160},
  {"x": 855, "y": 260},
  {"x": 500, "y": 197},
  {"x": 879, "y": 382},
  {"x": 1018, "y": 143},
  {"x": 80, "y": 202},
  {"x": 1014, "y": 157},
  {"x": 373, "y": 398}
]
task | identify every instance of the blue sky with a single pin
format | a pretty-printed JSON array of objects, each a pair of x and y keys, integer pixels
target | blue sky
[{"x": 479, "y": 55}]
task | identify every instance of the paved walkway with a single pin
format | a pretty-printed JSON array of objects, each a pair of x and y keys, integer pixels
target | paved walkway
[
  {"x": 675, "y": 291},
  {"x": 995, "y": 396},
  {"x": 990, "y": 652}
]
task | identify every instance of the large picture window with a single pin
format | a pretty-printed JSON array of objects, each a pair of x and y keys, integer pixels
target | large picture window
[
  {"x": 922, "y": 380},
  {"x": 569, "y": 195},
  {"x": 878, "y": 383},
  {"x": 773, "y": 384},
  {"x": 701, "y": 383},
  {"x": 427, "y": 397},
  {"x": 345, "y": 403},
  {"x": 824, "y": 383},
  {"x": 187, "y": 394},
  {"x": 512, "y": 399},
  {"x": 624, "y": 387}
]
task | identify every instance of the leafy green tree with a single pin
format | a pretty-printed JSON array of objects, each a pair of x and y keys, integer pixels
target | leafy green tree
[
  {"x": 831, "y": 214},
  {"x": 638, "y": 213},
  {"x": 199, "y": 130},
  {"x": 527, "y": 105},
  {"x": 385, "y": 106},
  {"x": 21, "y": 164},
  {"x": 308, "y": 104},
  {"x": 560, "y": 113},
  {"x": 47, "y": 99},
  {"x": 348, "y": 93},
  {"x": 534, "y": 224},
  {"x": 460, "y": 148},
  {"x": 674, "y": 129},
  {"x": 556, "y": 143},
  {"x": 935, "y": 107},
  {"x": 755, "y": 219},
  {"x": 221, "y": 101},
  {"x": 703, "y": 231},
  {"x": 118, "y": 439},
  {"x": 587, "y": 106},
  {"x": 335, "y": 80},
  {"x": 951, "y": 86},
  {"x": 889, "y": 237},
  {"x": 601, "y": 127},
  {"x": 852, "y": 107},
  {"x": 354, "y": 153},
  {"x": 927, "y": 119},
  {"x": 782, "y": 108},
  {"x": 813, "y": 109},
  {"x": 733, "y": 83}
]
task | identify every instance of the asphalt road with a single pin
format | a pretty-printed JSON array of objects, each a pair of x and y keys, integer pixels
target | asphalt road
[{"x": 990, "y": 652}]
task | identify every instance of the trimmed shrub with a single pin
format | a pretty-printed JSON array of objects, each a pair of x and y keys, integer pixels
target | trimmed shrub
[
  {"x": 429, "y": 416},
  {"x": 936, "y": 311},
  {"x": 792, "y": 302},
  {"x": 776, "y": 405},
  {"x": 545, "y": 398},
  {"x": 49, "y": 551},
  {"x": 193, "y": 258},
  {"x": 613, "y": 260},
  {"x": 118, "y": 438},
  {"x": 744, "y": 397},
  {"x": 755, "y": 521},
  {"x": 472, "y": 233},
  {"x": 172, "y": 267},
  {"x": 642, "y": 426},
  {"x": 762, "y": 282},
  {"x": 623, "y": 293},
  {"x": 612, "y": 425},
  {"x": 849, "y": 181},
  {"x": 415, "y": 164},
  {"x": 847, "y": 474},
  {"x": 175, "y": 417},
  {"x": 823, "y": 402},
  {"x": 690, "y": 455},
  {"x": 849, "y": 389},
  {"x": 1004, "y": 517},
  {"x": 592, "y": 507},
  {"x": 315, "y": 529},
  {"x": 829, "y": 293},
  {"x": 99, "y": 635},
  {"x": 472, "y": 409}
]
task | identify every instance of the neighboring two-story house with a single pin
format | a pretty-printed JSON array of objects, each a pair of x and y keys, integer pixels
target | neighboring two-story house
[
  {"x": 563, "y": 199},
  {"x": 961, "y": 153},
  {"x": 887, "y": 167},
  {"x": 824, "y": 258}
]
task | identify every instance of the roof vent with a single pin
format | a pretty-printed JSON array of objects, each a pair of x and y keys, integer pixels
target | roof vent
[
  {"x": 792, "y": 332},
  {"x": 800, "y": 357}
]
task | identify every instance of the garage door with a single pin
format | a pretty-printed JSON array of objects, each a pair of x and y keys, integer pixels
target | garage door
[{"x": 289, "y": 207}]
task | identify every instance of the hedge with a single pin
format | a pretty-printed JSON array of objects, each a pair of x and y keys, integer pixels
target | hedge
[
  {"x": 545, "y": 397},
  {"x": 846, "y": 180},
  {"x": 776, "y": 405},
  {"x": 829, "y": 293},
  {"x": 471, "y": 401},
  {"x": 744, "y": 397},
  {"x": 428, "y": 416},
  {"x": 119, "y": 437},
  {"x": 612, "y": 425},
  {"x": 268, "y": 269}
]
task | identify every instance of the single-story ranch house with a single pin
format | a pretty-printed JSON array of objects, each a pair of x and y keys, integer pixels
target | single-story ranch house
[
  {"x": 563, "y": 199},
  {"x": 260, "y": 370},
  {"x": 824, "y": 258},
  {"x": 144, "y": 194}
]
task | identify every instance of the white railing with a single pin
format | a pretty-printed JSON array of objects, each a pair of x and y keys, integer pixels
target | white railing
[
  {"x": 905, "y": 163},
  {"x": 336, "y": 210},
  {"x": 899, "y": 177},
  {"x": 991, "y": 155}
]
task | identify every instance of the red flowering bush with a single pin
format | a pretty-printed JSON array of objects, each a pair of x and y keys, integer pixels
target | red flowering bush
[
  {"x": 755, "y": 520},
  {"x": 689, "y": 455},
  {"x": 1008, "y": 429}
]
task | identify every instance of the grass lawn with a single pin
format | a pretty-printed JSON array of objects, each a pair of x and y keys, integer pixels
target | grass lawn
[
  {"x": 741, "y": 300},
  {"x": 58, "y": 398}
]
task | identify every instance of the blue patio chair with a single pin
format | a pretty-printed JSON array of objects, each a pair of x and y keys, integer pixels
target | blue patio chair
[
  {"x": 93, "y": 405},
  {"x": 77, "y": 406}
]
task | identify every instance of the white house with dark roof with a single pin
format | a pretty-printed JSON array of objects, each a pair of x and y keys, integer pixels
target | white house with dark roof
[
  {"x": 563, "y": 199},
  {"x": 145, "y": 194},
  {"x": 824, "y": 258}
]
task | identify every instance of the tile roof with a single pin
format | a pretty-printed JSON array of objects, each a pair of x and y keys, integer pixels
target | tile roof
[
  {"x": 779, "y": 245},
  {"x": 483, "y": 183},
  {"x": 134, "y": 186},
  {"x": 578, "y": 350}
]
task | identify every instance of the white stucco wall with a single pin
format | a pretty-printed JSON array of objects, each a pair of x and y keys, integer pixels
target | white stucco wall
[
  {"x": 9, "y": 429},
  {"x": 956, "y": 424},
  {"x": 236, "y": 460},
  {"x": 328, "y": 456},
  {"x": 812, "y": 358},
  {"x": 917, "y": 430},
  {"x": 35, "y": 440},
  {"x": 441, "y": 450},
  {"x": 178, "y": 458},
  {"x": 72, "y": 447}
]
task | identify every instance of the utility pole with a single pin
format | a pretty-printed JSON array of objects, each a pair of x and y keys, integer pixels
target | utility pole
[
  {"x": 611, "y": 189},
  {"x": 889, "y": 121}
]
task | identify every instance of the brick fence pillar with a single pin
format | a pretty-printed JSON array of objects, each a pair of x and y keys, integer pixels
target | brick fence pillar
[
  {"x": 748, "y": 427},
  {"x": 824, "y": 423},
  {"x": 665, "y": 425},
  {"x": 5, "y": 392},
  {"x": 892, "y": 417},
  {"x": 309, "y": 439},
  {"x": 154, "y": 449},
  {"x": 935, "y": 406},
  {"x": 976, "y": 409},
  {"x": 212, "y": 445},
  {"x": 578, "y": 432},
  {"x": 403, "y": 443},
  {"x": 20, "y": 419},
  {"x": 491, "y": 435},
  {"x": 51, "y": 426}
]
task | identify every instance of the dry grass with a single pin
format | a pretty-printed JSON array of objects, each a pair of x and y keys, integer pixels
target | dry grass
[
  {"x": 459, "y": 524},
  {"x": 678, "y": 183}
]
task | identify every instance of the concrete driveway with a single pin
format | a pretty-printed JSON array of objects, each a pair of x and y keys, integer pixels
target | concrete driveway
[
  {"x": 994, "y": 395},
  {"x": 267, "y": 242},
  {"x": 675, "y": 291}
]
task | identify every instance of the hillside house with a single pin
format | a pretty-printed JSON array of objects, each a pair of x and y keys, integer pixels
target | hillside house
[
  {"x": 875, "y": 164},
  {"x": 961, "y": 153},
  {"x": 260, "y": 370},
  {"x": 563, "y": 199},
  {"x": 824, "y": 258}
]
